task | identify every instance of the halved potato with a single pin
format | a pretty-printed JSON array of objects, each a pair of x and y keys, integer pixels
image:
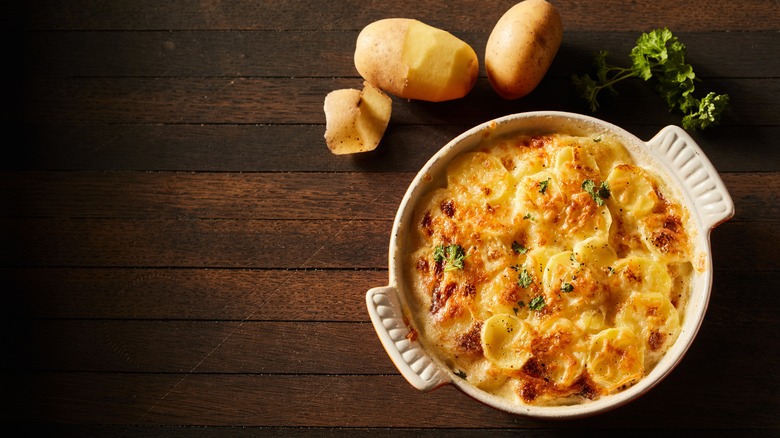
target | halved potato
[
  {"x": 356, "y": 120},
  {"x": 413, "y": 60}
]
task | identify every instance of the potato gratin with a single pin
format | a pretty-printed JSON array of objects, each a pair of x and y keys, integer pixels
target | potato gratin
[{"x": 550, "y": 269}]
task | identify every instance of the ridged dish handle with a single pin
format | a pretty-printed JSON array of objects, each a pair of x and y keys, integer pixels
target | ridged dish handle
[
  {"x": 408, "y": 356},
  {"x": 686, "y": 160}
]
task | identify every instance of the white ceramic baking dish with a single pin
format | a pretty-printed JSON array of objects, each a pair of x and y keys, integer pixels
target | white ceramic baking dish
[{"x": 671, "y": 152}]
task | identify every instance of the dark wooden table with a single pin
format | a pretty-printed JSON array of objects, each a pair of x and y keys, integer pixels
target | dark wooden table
[{"x": 183, "y": 256}]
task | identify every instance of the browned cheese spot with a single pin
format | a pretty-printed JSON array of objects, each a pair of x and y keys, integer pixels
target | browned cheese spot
[
  {"x": 470, "y": 341},
  {"x": 439, "y": 297},
  {"x": 656, "y": 340},
  {"x": 448, "y": 207},
  {"x": 427, "y": 223}
]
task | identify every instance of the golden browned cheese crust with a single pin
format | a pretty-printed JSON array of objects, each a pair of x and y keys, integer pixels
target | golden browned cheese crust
[{"x": 549, "y": 269}]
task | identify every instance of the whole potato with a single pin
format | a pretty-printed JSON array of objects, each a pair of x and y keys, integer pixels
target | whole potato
[
  {"x": 413, "y": 60},
  {"x": 522, "y": 46}
]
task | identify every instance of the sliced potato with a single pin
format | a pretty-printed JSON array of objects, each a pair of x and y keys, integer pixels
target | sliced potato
[
  {"x": 633, "y": 190},
  {"x": 616, "y": 358},
  {"x": 356, "y": 120},
  {"x": 506, "y": 341}
]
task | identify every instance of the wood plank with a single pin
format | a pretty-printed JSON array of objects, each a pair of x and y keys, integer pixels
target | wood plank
[
  {"x": 681, "y": 401},
  {"x": 245, "y": 53},
  {"x": 211, "y": 347},
  {"x": 256, "y": 148},
  {"x": 191, "y": 294},
  {"x": 273, "y": 244},
  {"x": 195, "y": 243},
  {"x": 357, "y": 196},
  {"x": 453, "y": 15},
  {"x": 299, "y": 101}
]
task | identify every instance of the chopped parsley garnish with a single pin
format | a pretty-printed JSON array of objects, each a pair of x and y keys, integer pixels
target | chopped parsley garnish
[
  {"x": 438, "y": 254},
  {"x": 518, "y": 248},
  {"x": 528, "y": 216},
  {"x": 452, "y": 256},
  {"x": 543, "y": 185},
  {"x": 537, "y": 303},
  {"x": 525, "y": 279},
  {"x": 599, "y": 194},
  {"x": 567, "y": 287}
]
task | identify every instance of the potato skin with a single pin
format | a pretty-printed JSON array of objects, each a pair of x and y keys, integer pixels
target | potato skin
[
  {"x": 522, "y": 47},
  {"x": 413, "y": 60},
  {"x": 356, "y": 120},
  {"x": 378, "y": 54}
]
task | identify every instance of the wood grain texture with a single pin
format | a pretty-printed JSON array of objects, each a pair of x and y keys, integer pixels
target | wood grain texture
[
  {"x": 256, "y": 148},
  {"x": 194, "y": 294},
  {"x": 345, "y": 196},
  {"x": 287, "y": 244},
  {"x": 361, "y": 401},
  {"x": 182, "y": 255},
  {"x": 456, "y": 15},
  {"x": 299, "y": 101},
  {"x": 219, "y": 53}
]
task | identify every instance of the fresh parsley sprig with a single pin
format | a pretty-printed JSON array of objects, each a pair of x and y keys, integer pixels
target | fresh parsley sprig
[{"x": 658, "y": 56}]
